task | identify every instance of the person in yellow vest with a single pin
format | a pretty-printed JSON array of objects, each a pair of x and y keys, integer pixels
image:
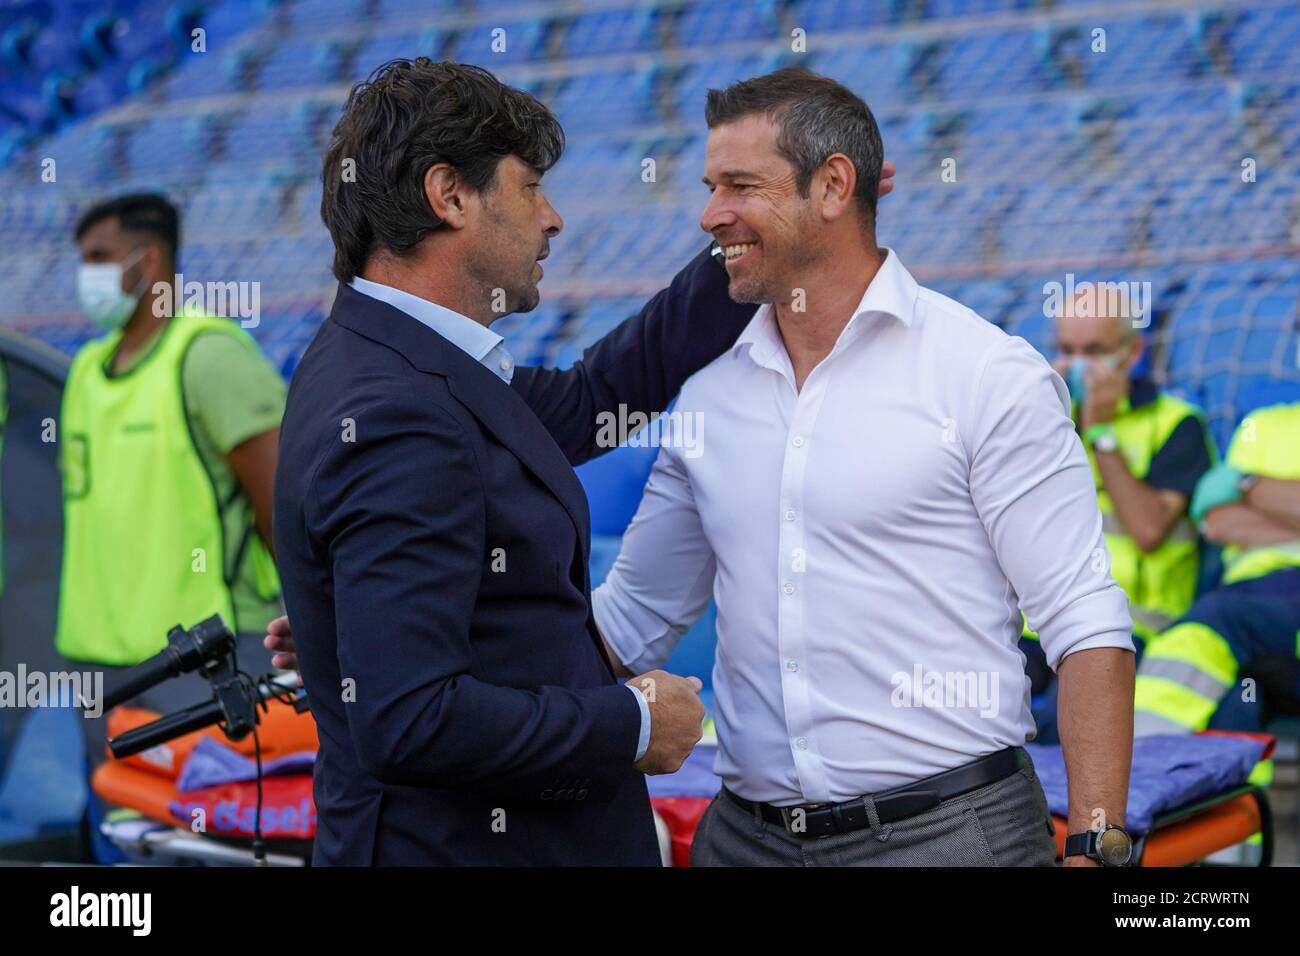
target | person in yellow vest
[
  {"x": 167, "y": 449},
  {"x": 1230, "y": 662},
  {"x": 1147, "y": 449}
]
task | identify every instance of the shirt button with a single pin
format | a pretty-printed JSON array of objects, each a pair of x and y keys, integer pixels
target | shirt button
[
  {"x": 505, "y": 365},
  {"x": 798, "y": 441},
  {"x": 789, "y": 515},
  {"x": 792, "y": 665},
  {"x": 802, "y": 743},
  {"x": 788, "y": 589}
]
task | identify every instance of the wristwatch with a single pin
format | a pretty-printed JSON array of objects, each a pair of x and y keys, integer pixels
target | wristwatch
[
  {"x": 1109, "y": 846},
  {"x": 1245, "y": 483},
  {"x": 1101, "y": 437}
]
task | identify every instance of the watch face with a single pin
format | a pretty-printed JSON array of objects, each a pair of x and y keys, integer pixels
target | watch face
[{"x": 1114, "y": 847}]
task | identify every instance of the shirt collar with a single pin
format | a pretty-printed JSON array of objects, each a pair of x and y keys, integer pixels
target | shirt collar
[
  {"x": 892, "y": 292},
  {"x": 480, "y": 342}
]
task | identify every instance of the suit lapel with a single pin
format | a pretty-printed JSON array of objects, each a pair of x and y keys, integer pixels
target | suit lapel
[
  {"x": 490, "y": 400},
  {"x": 502, "y": 412}
]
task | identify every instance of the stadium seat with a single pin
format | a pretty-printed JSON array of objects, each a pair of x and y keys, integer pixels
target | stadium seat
[
  {"x": 43, "y": 789},
  {"x": 1067, "y": 160}
]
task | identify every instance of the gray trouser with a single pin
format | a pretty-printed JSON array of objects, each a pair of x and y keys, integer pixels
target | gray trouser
[
  {"x": 1003, "y": 824},
  {"x": 170, "y": 695}
]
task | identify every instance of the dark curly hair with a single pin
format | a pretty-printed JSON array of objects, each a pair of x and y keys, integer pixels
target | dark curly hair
[{"x": 407, "y": 116}]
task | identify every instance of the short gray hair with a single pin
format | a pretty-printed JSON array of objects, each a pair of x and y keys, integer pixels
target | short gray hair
[
  {"x": 818, "y": 116},
  {"x": 1099, "y": 307}
]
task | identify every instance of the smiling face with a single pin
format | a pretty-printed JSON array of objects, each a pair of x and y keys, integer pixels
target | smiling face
[
  {"x": 515, "y": 227},
  {"x": 768, "y": 232}
]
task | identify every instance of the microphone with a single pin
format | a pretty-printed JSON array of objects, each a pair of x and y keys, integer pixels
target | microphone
[{"x": 186, "y": 651}]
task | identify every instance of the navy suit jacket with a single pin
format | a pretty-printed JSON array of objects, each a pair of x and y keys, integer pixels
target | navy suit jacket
[{"x": 432, "y": 540}]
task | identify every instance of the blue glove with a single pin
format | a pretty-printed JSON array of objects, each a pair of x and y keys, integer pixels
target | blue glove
[{"x": 1221, "y": 485}]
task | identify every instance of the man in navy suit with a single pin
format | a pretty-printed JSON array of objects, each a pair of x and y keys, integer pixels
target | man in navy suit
[{"x": 432, "y": 536}]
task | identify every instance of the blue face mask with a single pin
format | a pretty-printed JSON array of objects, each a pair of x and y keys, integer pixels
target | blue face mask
[
  {"x": 1074, "y": 375},
  {"x": 1074, "y": 380}
]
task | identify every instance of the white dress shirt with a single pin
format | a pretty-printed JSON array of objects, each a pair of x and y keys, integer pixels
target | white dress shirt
[
  {"x": 864, "y": 537},
  {"x": 486, "y": 348}
]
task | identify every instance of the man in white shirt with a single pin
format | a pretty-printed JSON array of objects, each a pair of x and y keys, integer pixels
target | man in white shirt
[{"x": 886, "y": 480}]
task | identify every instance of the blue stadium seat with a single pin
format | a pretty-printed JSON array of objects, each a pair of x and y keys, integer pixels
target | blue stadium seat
[
  {"x": 1067, "y": 160},
  {"x": 609, "y": 32},
  {"x": 380, "y": 48},
  {"x": 833, "y": 17},
  {"x": 481, "y": 44},
  {"x": 707, "y": 24},
  {"x": 614, "y": 483},
  {"x": 43, "y": 789}
]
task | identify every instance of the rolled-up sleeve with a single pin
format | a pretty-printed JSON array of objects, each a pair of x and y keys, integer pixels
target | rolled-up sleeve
[
  {"x": 662, "y": 580},
  {"x": 1034, "y": 492}
]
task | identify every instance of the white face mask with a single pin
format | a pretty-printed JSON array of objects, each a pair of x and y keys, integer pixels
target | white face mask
[{"x": 99, "y": 290}]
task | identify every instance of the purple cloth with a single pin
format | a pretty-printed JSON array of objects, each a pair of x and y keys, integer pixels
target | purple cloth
[
  {"x": 1169, "y": 770},
  {"x": 212, "y": 763}
]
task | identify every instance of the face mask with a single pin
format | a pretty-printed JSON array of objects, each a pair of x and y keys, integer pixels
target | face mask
[
  {"x": 1074, "y": 375},
  {"x": 99, "y": 290}
]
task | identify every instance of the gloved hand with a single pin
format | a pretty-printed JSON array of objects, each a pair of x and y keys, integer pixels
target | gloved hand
[{"x": 1221, "y": 485}]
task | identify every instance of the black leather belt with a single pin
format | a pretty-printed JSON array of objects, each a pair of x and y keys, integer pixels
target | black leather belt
[{"x": 897, "y": 803}]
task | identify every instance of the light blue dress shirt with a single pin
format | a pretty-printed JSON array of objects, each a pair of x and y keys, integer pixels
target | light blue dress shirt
[
  {"x": 481, "y": 343},
  {"x": 486, "y": 348}
]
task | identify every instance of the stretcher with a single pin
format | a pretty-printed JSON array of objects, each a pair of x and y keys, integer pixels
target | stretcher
[
  {"x": 1189, "y": 796},
  {"x": 209, "y": 824},
  {"x": 162, "y": 826},
  {"x": 1189, "y": 834}
]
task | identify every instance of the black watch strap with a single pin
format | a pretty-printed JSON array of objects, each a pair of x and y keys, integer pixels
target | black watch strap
[
  {"x": 1118, "y": 845},
  {"x": 1082, "y": 844}
]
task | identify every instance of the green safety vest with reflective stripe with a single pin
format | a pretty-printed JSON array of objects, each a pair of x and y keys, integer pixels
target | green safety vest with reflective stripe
[
  {"x": 144, "y": 545},
  {"x": 1161, "y": 584},
  {"x": 1266, "y": 443},
  {"x": 1188, "y": 669},
  {"x": 1182, "y": 677}
]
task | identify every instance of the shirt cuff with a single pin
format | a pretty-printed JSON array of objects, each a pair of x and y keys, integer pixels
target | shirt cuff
[
  {"x": 1100, "y": 619},
  {"x": 643, "y": 742}
]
